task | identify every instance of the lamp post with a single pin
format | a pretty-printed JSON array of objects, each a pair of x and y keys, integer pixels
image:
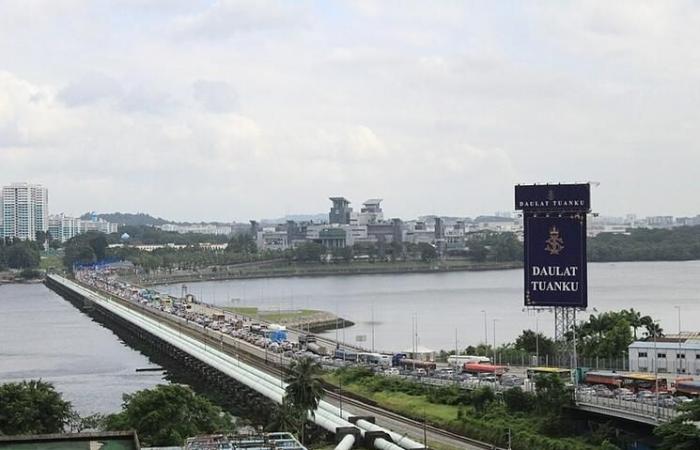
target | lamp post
[
  {"x": 656, "y": 373},
  {"x": 679, "y": 369},
  {"x": 494, "y": 340},
  {"x": 486, "y": 334}
]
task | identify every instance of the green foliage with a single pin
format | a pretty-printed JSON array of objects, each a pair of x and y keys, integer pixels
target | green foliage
[
  {"x": 19, "y": 255},
  {"x": 148, "y": 235},
  {"x": 427, "y": 252},
  {"x": 477, "y": 251},
  {"x": 29, "y": 274},
  {"x": 167, "y": 414},
  {"x": 677, "y": 244},
  {"x": 85, "y": 248},
  {"x": 242, "y": 244},
  {"x": 517, "y": 400},
  {"x": 128, "y": 219},
  {"x": 304, "y": 389},
  {"x": 681, "y": 433},
  {"x": 481, "y": 397},
  {"x": 551, "y": 396},
  {"x": 529, "y": 341},
  {"x": 608, "y": 334},
  {"x": 32, "y": 407},
  {"x": 308, "y": 252}
]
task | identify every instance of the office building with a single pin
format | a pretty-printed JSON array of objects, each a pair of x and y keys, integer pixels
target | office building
[
  {"x": 24, "y": 210},
  {"x": 341, "y": 211}
]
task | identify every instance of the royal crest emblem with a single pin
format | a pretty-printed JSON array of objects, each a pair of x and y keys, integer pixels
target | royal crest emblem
[{"x": 555, "y": 243}]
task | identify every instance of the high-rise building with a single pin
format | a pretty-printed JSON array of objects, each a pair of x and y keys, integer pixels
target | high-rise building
[
  {"x": 340, "y": 211},
  {"x": 25, "y": 210}
]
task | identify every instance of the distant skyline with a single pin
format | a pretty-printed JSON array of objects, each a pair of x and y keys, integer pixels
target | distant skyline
[{"x": 227, "y": 110}]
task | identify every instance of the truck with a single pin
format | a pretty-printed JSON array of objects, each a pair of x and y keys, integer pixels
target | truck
[
  {"x": 476, "y": 368},
  {"x": 320, "y": 350},
  {"x": 687, "y": 387}
]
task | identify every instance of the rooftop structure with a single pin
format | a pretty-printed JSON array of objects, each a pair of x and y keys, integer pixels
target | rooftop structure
[
  {"x": 340, "y": 211},
  {"x": 269, "y": 441},
  {"x": 113, "y": 440}
]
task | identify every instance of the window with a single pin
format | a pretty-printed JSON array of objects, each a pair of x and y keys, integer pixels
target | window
[
  {"x": 661, "y": 355},
  {"x": 680, "y": 355},
  {"x": 697, "y": 356},
  {"x": 642, "y": 354}
]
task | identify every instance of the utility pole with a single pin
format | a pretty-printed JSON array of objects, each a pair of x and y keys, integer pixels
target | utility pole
[
  {"x": 494, "y": 340},
  {"x": 679, "y": 369},
  {"x": 656, "y": 375},
  {"x": 486, "y": 334}
]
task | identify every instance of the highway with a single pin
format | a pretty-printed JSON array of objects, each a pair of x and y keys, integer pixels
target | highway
[{"x": 243, "y": 353}]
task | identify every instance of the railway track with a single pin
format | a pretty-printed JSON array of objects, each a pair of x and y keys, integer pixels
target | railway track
[{"x": 413, "y": 428}]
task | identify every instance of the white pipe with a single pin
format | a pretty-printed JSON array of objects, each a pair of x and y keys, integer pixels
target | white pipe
[
  {"x": 346, "y": 443},
  {"x": 327, "y": 416}
]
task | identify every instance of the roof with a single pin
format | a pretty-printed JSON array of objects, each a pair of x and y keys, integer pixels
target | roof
[
  {"x": 373, "y": 201},
  {"x": 649, "y": 345},
  {"x": 113, "y": 440}
]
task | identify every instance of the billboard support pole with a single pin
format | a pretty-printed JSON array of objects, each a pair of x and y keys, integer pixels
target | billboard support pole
[{"x": 564, "y": 319}]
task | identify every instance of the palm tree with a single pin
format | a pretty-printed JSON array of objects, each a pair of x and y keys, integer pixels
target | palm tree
[
  {"x": 655, "y": 330},
  {"x": 304, "y": 389},
  {"x": 635, "y": 320}
]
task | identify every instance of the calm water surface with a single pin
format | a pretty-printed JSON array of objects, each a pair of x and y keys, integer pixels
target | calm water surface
[
  {"x": 446, "y": 304},
  {"x": 44, "y": 336}
]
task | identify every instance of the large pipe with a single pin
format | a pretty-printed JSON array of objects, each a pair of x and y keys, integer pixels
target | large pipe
[
  {"x": 346, "y": 443},
  {"x": 327, "y": 416}
]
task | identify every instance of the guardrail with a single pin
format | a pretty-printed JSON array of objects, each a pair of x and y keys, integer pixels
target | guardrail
[{"x": 648, "y": 412}]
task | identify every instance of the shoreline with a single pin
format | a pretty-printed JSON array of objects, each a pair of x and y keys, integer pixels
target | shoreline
[{"x": 225, "y": 276}]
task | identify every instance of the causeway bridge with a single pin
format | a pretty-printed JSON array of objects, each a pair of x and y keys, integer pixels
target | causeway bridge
[{"x": 350, "y": 420}]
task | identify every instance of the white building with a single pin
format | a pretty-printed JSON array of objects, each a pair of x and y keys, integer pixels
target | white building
[
  {"x": 25, "y": 210},
  {"x": 270, "y": 239},
  {"x": 63, "y": 228},
  {"x": 96, "y": 224},
  {"x": 665, "y": 357},
  {"x": 202, "y": 228}
]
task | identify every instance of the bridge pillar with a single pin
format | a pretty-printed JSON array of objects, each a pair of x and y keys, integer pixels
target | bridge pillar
[
  {"x": 353, "y": 419},
  {"x": 341, "y": 432},
  {"x": 371, "y": 436}
]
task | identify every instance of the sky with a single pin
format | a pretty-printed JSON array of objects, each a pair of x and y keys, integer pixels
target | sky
[{"x": 237, "y": 109}]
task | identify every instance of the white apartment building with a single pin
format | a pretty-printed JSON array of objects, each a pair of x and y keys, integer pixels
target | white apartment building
[
  {"x": 25, "y": 210},
  {"x": 665, "y": 357},
  {"x": 62, "y": 227}
]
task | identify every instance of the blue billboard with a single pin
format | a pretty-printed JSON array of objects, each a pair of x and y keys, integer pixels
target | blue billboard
[
  {"x": 553, "y": 197},
  {"x": 555, "y": 260}
]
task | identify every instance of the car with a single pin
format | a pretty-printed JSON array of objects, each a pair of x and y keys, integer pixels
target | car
[{"x": 392, "y": 371}]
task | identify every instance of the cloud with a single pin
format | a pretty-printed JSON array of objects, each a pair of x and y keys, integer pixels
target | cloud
[
  {"x": 227, "y": 18},
  {"x": 90, "y": 89},
  {"x": 215, "y": 96}
]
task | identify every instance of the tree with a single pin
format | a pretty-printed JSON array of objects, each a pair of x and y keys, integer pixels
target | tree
[
  {"x": 681, "y": 433},
  {"x": 481, "y": 397},
  {"x": 167, "y": 414},
  {"x": 551, "y": 395},
  {"x": 304, "y": 390},
  {"x": 427, "y": 252},
  {"x": 242, "y": 243},
  {"x": 517, "y": 400},
  {"x": 477, "y": 251},
  {"x": 32, "y": 407},
  {"x": 309, "y": 252},
  {"x": 41, "y": 238},
  {"x": 22, "y": 255},
  {"x": 530, "y": 342}
]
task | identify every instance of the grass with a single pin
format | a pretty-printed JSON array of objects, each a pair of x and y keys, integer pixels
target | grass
[
  {"x": 272, "y": 316},
  {"x": 54, "y": 262}
]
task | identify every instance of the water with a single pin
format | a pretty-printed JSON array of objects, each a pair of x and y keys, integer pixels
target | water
[
  {"x": 44, "y": 336},
  {"x": 446, "y": 304}
]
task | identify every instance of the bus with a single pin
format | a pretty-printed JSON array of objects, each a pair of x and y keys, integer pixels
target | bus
[
  {"x": 643, "y": 382},
  {"x": 460, "y": 360},
  {"x": 374, "y": 359},
  {"x": 563, "y": 374},
  {"x": 633, "y": 381}
]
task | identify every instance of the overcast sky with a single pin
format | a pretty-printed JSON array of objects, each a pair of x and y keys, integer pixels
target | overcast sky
[{"x": 230, "y": 110}]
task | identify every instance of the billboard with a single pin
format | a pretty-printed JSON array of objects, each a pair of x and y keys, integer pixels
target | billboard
[
  {"x": 555, "y": 260},
  {"x": 553, "y": 197}
]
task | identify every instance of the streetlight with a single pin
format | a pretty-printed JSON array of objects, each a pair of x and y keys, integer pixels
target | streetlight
[
  {"x": 486, "y": 335},
  {"x": 679, "y": 369},
  {"x": 494, "y": 340},
  {"x": 656, "y": 372}
]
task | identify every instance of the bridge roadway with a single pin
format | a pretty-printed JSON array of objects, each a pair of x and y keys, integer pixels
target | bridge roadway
[{"x": 259, "y": 369}]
